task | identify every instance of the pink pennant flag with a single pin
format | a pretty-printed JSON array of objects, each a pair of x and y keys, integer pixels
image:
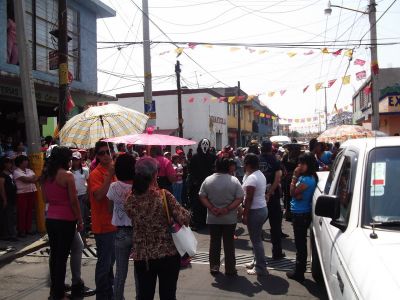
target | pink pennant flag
[
  {"x": 309, "y": 52},
  {"x": 331, "y": 82},
  {"x": 359, "y": 62},
  {"x": 192, "y": 45},
  {"x": 367, "y": 90},
  {"x": 305, "y": 89},
  {"x": 221, "y": 99},
  {"x": 205, "y": 99},
  {"x": 241, "y": 98},
  {"x": 191, "y": 99},
  {"x": 337, "y": 52},
  {"x": 361, "y": 75},
  {"x": 282, "y": 92}
]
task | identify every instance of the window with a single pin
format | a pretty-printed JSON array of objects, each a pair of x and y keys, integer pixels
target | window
[
  {"x": 41, "y": 18},
  {"x": 344, "y": 190},
  {"x": 332, "y": 173}
]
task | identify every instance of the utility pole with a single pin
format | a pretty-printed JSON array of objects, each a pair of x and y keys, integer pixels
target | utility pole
[
  {"x": 62, "y": 62},
  {"x": 27, "y": 86},
  {"x": 239, "y": 133},
  {"x": 374, "y": 60},
  {"x": 326, "y": 110},
  {"x": 178, "y": 88},
  {"x": 148, "y": 98}
]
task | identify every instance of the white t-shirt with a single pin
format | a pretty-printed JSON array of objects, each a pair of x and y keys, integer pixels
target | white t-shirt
[
  {"x": 23, "y": 187},
  {"x": 118, "y": 192},
  {"x": 257, "y": 180},
  {"x": 81, "y": 180}
]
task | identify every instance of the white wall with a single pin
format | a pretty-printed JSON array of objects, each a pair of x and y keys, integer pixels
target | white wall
[{"x": 196, "y": 115}]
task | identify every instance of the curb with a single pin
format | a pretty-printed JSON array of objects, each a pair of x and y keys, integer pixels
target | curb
[{"x": 9, "y": 257}]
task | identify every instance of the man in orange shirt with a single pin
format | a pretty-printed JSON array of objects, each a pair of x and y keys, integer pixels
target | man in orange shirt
[{"x": 104, "y": 232}]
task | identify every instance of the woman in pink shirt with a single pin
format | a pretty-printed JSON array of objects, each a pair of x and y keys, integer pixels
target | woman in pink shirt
[
  {"x": 63, "y": 215},
  {"x": 25, "y": 180}
]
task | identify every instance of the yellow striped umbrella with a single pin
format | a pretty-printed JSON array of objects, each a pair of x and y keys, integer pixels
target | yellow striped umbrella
[
  {"x": 346, "y": 132},
  {"x": 98, "y": 122}
]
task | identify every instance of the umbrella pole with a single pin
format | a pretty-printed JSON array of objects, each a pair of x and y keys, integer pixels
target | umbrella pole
[{"x": 105, "y": 135}]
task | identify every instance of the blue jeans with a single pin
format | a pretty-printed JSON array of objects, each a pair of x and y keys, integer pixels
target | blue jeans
[
  {"x": 177, "y": 188},
  {"x": 82, "y": 204},
  {"x": 123, "y": 248},
  {"x": 257, "y": 218},
  {"x": 104, "y": 275}
]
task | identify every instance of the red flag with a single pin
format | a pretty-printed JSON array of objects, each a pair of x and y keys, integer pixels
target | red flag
[
  {"x": 359, "y": 62},
  {"x": 70, "y": 103},
  {"x": 241, "y": 98},
  {"x": 375, "y": 67},
  {"x": 367, "y": 90},
  {"x": 70, "y": 77},
  {"x": 191, "y": 99},
  {"x": 361, "y": 75},
  {"x": 337, "y": 52},
  {"x": 331, "y": 82},
  {"x": 305, "y": 89},
  {"x": 282, "y": 92}
]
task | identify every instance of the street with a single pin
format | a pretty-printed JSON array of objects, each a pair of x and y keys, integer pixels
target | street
[{"x": 28, "y": 277}]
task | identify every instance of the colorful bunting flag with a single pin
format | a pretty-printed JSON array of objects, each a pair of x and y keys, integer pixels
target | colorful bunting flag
[
  {"x": 337, "y": 52},
  {"x": 361, "y": 75},
  {"x": 179, "y": 51},
  {"x": 262, "y": 51},
  {"x": 221, "y": 99},
  {"x": 70, "y": 104},
  {"x": 375, "y": 67},
  {"x": 192, "y": 45},
  {"x": 271, "y": 94},
  {"x": 291, "y": 54},
  {"x": 257, "y": 113},
  {"x": 309, "y": 52},
  {"x": 325, "y": 51},
  {"x": 231, "y": 99},
  {"x": 250, "y": 98},
  {"x": 205, "y": 99},
  {"x": 359, "y": 62},
  {"x": 331, "y": 82},
  {"x": 262, "y": 115},
  {"x": 305, "y": 89},
  {"x": 163, "y": 53},
  {"x": 346, "y": 79},
  {"x": 241, "y": 98},
  {"x": 234, "y": 49},
  {"x": 349, "y": 53},
  {"x": 191, "y": 99},
  {"x": 282, "y": 92},
  {"x": 318, "y": 86},
  {"x": 367, "y": 90},
  {"x": 208, "y": 46}
]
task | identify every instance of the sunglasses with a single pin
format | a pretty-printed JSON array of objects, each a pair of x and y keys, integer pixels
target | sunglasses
[{"x": 101, "y": 153}]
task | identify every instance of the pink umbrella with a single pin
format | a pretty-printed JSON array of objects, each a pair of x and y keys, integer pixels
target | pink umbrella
[{"x": 151, "y": 139}]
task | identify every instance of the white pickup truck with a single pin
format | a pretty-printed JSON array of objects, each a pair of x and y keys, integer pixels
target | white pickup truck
[{"x": 355, "y": 236}]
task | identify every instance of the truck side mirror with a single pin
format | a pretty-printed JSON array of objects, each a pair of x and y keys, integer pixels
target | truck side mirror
[{"x": 328, "y": 206}]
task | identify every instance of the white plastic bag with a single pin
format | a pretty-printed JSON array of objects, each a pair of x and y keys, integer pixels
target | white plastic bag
[{"x": 184, "y": 240}]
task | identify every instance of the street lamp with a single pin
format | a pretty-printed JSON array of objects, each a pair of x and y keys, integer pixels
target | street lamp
[{"x": 371, "y": 12}]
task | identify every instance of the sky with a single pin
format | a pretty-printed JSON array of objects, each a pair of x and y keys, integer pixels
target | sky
[{"x": 260, "y": 70}]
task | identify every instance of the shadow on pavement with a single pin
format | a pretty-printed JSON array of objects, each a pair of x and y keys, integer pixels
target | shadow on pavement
[
  {"x": 271, "y": 284},
  {"x": 315, "y": 289}
]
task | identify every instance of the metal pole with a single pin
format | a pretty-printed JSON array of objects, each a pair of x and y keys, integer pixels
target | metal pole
[
  {"x": 178, "y": 88},
  {"x": 326, "y": 110},
  {"x": 62, "y": 61},
  {"x": 148, "y": 98},
  {"x": 28, "y": 90},
  {"x": 374, "y": 60},
  {"x": 239, "y": 133}
]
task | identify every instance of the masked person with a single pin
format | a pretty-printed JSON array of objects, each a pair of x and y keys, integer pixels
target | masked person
[{"x": 200, "y": 167}]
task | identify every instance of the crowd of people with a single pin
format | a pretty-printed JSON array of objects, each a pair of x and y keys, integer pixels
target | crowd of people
[{"x": 120, "y": 193}]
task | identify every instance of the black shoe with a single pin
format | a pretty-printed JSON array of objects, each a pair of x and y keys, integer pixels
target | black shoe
[
  {"x": 295, "y": 276},
  {"x": 80, "y": 290},
  {"x": 284, "y": 235},
  {"x": 279, "y": 256},
  {"x": 67, "y": 287}
]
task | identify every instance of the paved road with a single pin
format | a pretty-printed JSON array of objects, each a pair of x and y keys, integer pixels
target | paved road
[{"x": 27, "y": 277}]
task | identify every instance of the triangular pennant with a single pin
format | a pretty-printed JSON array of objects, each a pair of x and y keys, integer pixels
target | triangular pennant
[
  {"x": 241, "y": 98},
  {"x": 231, "y": 99},
  {"x": 179, "y": 51},
  {"x": 250, "y": 98},
  {"x": 325, "y": 51},
  {"x": 318, "y": 86},
  {"x": 309, "y": 52},
  {"x": 271, "y": 94},
  {"x": 349, "y": 53},
  {"x": 233, "y": 49},
  {"x": 305, "y": 89},
  {"x": 291, "y": 54},
  {"x": 331, "y": 82},
  {"x": 359, "y": 62},
  {"x": 191, "y": 99},
  {"x": 367, "y": 90},
  {"x": 337, "y": 52},
  {"x": 262, "y": 51},
  {"x": 282, "y": 92},
  {"x": 375, "y": 67},
  {"x": 70, "y": 104},
  {"x": 192, "y": 45},
  {"x": 208, "y": 46},
  {"x": 346, "y": 79},
  {"x": 205, "y": 99}
]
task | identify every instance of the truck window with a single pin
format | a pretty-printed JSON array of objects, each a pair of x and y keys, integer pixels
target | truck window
[
  {"x": 332, "y": 173},
  {"x": 382, "y": 188},
  {"x": 344, "y": 189}
]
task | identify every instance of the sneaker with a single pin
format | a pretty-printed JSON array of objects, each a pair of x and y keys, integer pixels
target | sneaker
[
  {"x": 258, "y": 273},
  {"x": 295, "y": 276},
  {"x": 80, "y": 290},
  {"x": 250, "y": 265},
  {"x": 214, "y": 270}
]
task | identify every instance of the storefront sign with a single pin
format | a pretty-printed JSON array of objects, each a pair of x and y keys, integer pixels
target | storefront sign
[
  {"x": 41, "y": 96},
  {"x": 390, "y": 104},
  {"x": 217, "y": 120}
]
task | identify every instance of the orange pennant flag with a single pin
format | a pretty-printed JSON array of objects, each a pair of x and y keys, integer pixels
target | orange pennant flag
[
  {"x": 271, "y": 94},
  {"x": 325, "y": 51},
  {"x": 349, "y": 53},
  {"x": 318, "y": 86}
]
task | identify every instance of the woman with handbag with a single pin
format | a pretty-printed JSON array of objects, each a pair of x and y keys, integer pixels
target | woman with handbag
[{"x": 154, "y": 251}]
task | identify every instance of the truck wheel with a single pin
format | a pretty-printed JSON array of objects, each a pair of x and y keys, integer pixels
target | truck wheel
[{"x": 316, "y": 271}]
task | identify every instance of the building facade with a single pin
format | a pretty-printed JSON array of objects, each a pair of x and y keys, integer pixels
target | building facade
[
  {"x": 204, "y": 116},
  {"x": 41, "y": 17},
  {"x": 389, "y": 104}
]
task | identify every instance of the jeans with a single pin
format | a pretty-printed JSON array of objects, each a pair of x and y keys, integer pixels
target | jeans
[
  {"x": 123, "y": 248},
  {"x": 25, "y": 203},
  {"x": 82, "y": 204},
  {"x": 301, "y": 223},
  {"x": 226, "y": 232},
  {"x": 167, "y": 271},
  {"x": 256, "y": 219},
  {"x": 275, "y": 221},
  {"x": 104, "y": 275},
  {"x": 76, "y": 258},
  {"x": 177, "y": 188},
  {"x": 61, "y": 234}
]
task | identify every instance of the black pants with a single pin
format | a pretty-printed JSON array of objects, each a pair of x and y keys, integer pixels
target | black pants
[
  {"x": 8, "y": 219},
  {"x": 301, "y": 223},
  {"x": 275, "y": 221},
  {"x": 198, "y": 209},
  {"x": 167, "y": 271},
  {"x": 225, "y": 232},
  {"x": 61, "y": 233}
]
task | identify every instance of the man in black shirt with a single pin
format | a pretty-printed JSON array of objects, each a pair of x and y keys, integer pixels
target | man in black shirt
[{"x": 271, "y": 168}]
